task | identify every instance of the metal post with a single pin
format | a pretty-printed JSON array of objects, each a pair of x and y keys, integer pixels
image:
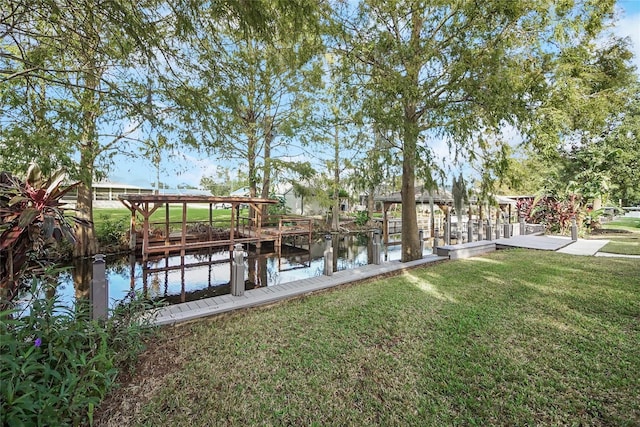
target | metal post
[
  {"x": 436, "y": 239},
  {"x": 479, "y": 229},
  {"x": 377, "y": 243},
  {"x": 489, "y": 230},
  {"x": 99, "y": 292},
  {"x": 522, "y": 230},
  {"x": 237, "y": 271},
  {"x": 421, "y": 238},
  {"x": 328, "y": 255},
  {"x": 574, "y": 229},
  {"x": 469, "y": 231}
]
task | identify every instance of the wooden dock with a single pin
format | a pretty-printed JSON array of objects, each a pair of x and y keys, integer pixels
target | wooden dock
[
  {"x": 270, "y": 294},
  {"x": 254, "y": 230}
]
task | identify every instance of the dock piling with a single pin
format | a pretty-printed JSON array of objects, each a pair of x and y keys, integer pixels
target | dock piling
[{"x": 237, "y": 271}]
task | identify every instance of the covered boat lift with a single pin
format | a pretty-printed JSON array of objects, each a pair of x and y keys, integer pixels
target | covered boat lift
[{"x": 444, "y": 200}]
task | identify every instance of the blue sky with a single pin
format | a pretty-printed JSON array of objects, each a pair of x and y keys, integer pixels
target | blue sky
[{"x": 187, "y": 167}]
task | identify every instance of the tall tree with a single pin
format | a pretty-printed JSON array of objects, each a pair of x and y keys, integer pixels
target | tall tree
[
  {"x": 251, "y": 93},
  {"x": 592, "y": 96},
  {"x": 79, "y": 56},
  {"x": 450, "y": 69}
]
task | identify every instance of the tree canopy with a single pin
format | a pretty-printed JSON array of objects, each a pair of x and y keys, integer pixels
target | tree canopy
[{"x": 243, "y": 80}]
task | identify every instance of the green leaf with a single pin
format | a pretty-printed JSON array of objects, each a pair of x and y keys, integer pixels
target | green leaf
[
  {"x": 16, "y": 199},
  {"x": 27, "y": 217}
]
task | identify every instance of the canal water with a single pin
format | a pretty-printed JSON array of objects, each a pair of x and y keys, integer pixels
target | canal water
[{"x": 176, "y": 279}]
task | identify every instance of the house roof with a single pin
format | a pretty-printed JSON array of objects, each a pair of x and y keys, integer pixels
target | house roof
[{"x": 440, "y": 197}]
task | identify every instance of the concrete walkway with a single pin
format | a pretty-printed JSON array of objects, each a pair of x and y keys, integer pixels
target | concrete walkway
[{"x": 581, "y": 246}]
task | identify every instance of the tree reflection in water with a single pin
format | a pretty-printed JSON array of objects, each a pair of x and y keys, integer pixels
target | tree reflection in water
[{"x": 204, "y": 274}]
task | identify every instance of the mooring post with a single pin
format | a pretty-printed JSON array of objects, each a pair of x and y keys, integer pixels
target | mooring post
[
  {"x": 436, "y": 238},
  {"x": 421, "y": 237},
  {"x": 377, "y": 247},
  {"x": 507, "y": 227},
  {"x": 574, "y": 229},
  {"x": 489, "y": 230},
  {"x": 237, "y": 271},
  {"x": 522, "y": 226},
  {"x": 99, "y": 292},
  {"x": 447, "y": 229},
  {"x": 328, "y": 255}
]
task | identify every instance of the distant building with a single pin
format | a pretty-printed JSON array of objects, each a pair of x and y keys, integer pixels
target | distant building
[{"x": 105, "y": 194}]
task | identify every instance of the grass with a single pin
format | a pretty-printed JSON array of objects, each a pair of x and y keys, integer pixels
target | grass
[
  {"x": 512, "y": 338},
  {"x": 627, "y": 224},
  {"x": 175, "y": 215},
  {"x": 624, "y": 236}
]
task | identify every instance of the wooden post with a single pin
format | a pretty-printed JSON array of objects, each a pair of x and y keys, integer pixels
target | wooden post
[
  {"x": 167, "y": 228},
  {"x": 183, "y": 238},
  {"x": 132, "y": 230},
  {"x": 145, "y": 232}
]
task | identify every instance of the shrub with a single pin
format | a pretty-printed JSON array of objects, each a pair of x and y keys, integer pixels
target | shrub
[
  {"x": 362, "y": 218},
  {"x": 31, "y": 222},
  {"x": 112, "y": 231},
  {"x": 57, "y": 364}
]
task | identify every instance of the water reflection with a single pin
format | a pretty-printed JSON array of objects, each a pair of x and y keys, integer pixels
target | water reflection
[{"x": 194, "y": 276}]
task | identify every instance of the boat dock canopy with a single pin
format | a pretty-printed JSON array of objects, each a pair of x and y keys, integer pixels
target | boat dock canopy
[{"x": 253, "y": 228}]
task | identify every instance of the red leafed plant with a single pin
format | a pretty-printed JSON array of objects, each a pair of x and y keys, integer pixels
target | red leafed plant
[
  {"x": 31, "y": 221},
  {"x": 556, "y": 214}
]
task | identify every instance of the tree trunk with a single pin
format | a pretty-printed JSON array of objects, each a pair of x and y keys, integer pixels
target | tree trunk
[
  {"x": 410, "y": 238},
  {"x": 371, "y": 201},
  {"x": 84, "y": 230},
  {"x": 335, "y": 225},
  {"x": 266, "y": 173},
  {"x": 85, "y": 234}
]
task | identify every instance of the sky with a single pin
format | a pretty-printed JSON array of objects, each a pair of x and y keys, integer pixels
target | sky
[{"x": 187, "y": 167}]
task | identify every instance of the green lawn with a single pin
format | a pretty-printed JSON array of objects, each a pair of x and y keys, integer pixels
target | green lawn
[
  {"x": 175, "y": 215},
  {"x": 624, "y": 236},
  {"x": 513, "y": 338},
  {"x": 628, "y": 224}
]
